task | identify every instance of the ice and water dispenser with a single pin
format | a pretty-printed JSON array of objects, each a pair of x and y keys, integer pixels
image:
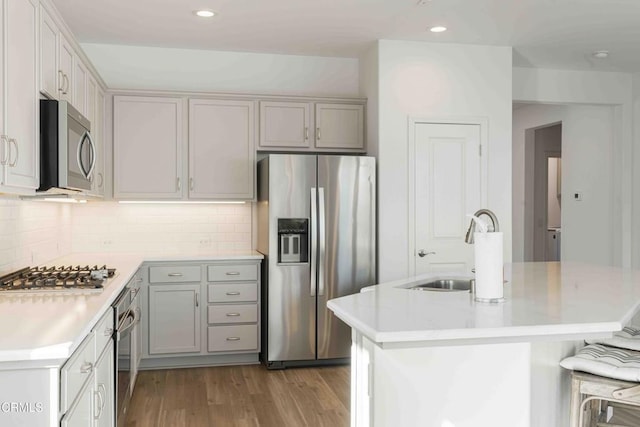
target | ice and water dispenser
[{"x": 293, "y": 240}]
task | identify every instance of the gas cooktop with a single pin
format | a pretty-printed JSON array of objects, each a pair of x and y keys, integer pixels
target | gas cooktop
[{"x": 59, "y": 278}]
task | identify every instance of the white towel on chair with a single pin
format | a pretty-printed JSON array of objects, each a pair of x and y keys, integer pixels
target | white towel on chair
[
  {"x": 606, "y": 361},
  {"x": 628, "y": 338}
]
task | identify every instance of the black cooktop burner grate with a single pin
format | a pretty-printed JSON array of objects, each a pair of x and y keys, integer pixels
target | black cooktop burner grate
[{"x": 56, "y": 278}]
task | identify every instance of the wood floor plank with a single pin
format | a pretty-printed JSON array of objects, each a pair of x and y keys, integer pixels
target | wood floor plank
[{"x": 241, "y": 396}]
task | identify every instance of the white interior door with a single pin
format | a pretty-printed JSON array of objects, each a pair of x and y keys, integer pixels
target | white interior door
[{"x": 447, "y": 185}]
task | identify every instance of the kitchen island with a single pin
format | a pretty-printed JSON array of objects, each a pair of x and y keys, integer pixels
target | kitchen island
[{"x": 441, "y": 359}]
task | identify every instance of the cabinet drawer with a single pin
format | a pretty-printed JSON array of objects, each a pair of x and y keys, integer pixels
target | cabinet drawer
[
  {"x": 233, "y": 338},
  {"x": 233, "y": 292},
  {"x": 228, "y": 273},
  {"x": 77, "y": 371},
  {"x": 103, "y": 331},
  {"x": 175, "y": 274},
  {"x": 232, "y": 313}
]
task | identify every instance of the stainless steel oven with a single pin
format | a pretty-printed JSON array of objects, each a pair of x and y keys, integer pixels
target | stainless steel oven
[{"x": 127, "y": 318}]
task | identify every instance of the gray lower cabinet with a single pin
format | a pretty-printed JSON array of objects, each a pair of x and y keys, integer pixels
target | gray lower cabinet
[
  {"x": 87, "y": 380},
  {"x": 174, "y": 318},
  {"x": 200, "y": 313},
  {"x": 104, "y": 388}
]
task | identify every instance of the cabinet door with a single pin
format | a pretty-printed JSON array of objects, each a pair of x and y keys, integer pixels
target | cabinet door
[
  {"x": 174, "y": 319},
  {"x": 285, "y": 124},
  {"x": 97, "y": 131},
  {"x": 66, "y": 62},
  {"x": 104, "y": 391},
  {"x": 147, "y": 144},
  {"x": 81, "y": 412},
  {"x": 80, "y": 87},
  {"x": 21, "y": 94},
  {"x": 221, "y": 149},
  {"x": 49, "y": 76},
  {"x": 340, "y": 126}
]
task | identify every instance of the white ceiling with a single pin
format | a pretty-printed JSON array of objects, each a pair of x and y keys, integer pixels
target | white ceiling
[{"x": 544, "y": 33}]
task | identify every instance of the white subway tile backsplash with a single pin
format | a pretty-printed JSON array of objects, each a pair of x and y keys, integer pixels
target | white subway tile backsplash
[
  {"x": 32, "y": 233},
  {"x": 113, "y": 227}
]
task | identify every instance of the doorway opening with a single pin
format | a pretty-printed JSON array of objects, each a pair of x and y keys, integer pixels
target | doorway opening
[{"x": 543, "y": 192}]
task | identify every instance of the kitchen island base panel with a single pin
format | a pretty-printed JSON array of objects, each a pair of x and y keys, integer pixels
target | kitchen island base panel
[
  {"x": 27, "y": 396},
  {"x": 501, "y": 385}
]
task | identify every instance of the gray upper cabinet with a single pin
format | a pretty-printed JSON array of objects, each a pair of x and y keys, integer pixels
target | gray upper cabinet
[
  {"x": 80, "y": 87},
  {"x": 290, "y": 126},
  {"x": 98, "y": 183},
  {"x": 66, "y": 64},
  {"x": 49, "y": 41},
  {"x": 340, "y": 126},
  {"x": 285, "y": 124},
  {"x": 221, "y": 149},
  {"x": 147, "y": 144},
  {"x": 19, "y": 166}
]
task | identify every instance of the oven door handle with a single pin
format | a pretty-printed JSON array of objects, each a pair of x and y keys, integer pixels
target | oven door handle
[{"x": 123, "y": 331}]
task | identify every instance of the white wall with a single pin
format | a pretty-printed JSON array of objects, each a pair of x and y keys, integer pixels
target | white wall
[
  {"x": 32, "y": 233},
  {"x": 370, "y": 89},
  {"x": 428, "y": 80},
  {"x": 597, "y": 88},
  {"x": 137, "y": 67},
  {"x": 587, "y": 166},
  {"x": 161, "y": 229}
]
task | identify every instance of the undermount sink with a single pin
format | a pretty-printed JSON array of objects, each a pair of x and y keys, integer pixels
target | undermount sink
[{"x": 443, "y": 285}]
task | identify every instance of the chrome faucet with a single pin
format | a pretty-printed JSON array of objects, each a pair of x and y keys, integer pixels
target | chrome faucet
[{"x": 472, "y": 227}]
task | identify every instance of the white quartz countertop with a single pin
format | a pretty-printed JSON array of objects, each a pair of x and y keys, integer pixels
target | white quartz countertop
[
  {"x": 544, "y": 301},
  {"x": 50, "y": 326}
]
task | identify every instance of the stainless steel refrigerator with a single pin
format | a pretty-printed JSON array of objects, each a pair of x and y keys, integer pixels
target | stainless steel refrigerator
[{"x": 317, "y": 230}]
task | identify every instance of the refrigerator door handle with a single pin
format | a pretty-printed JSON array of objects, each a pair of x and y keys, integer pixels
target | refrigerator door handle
[
  {"x": 312, "y": 240},
  {"x": 321, "y": 241}
]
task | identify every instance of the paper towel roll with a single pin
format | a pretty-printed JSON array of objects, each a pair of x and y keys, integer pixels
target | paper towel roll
[{"x": 489, "y": 266}]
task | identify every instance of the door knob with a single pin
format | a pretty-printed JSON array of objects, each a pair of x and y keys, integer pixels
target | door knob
[{"x": 422, "y": 253}]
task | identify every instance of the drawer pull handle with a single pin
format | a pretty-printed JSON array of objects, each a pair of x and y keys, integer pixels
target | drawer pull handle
[
  {"x": 233, "y": 293},
  {"x": 108, "y": 332},
  {"x": 233, "y": 314},
  {"x": 86, "y": 368},
  {"x": 233, "y": 273},
  {"x": 233, "y": 339},
  {"x": 174, "y": 274}
]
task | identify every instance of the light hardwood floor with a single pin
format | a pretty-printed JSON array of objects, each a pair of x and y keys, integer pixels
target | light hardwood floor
[{"x": 241, "y": 396}]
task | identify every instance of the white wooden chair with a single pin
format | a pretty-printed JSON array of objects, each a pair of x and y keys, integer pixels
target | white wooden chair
[{"x": 605, "y": 375}]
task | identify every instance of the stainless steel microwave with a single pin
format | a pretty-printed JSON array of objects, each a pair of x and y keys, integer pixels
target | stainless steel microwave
[{"x": 67, "y": 151}]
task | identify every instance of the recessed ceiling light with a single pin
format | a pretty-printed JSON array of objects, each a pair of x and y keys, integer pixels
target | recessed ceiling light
[
  {"x": 438, "y": 29},
  {"x": 205, "y": 13},
  {"x": 600, "y": 54}
]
